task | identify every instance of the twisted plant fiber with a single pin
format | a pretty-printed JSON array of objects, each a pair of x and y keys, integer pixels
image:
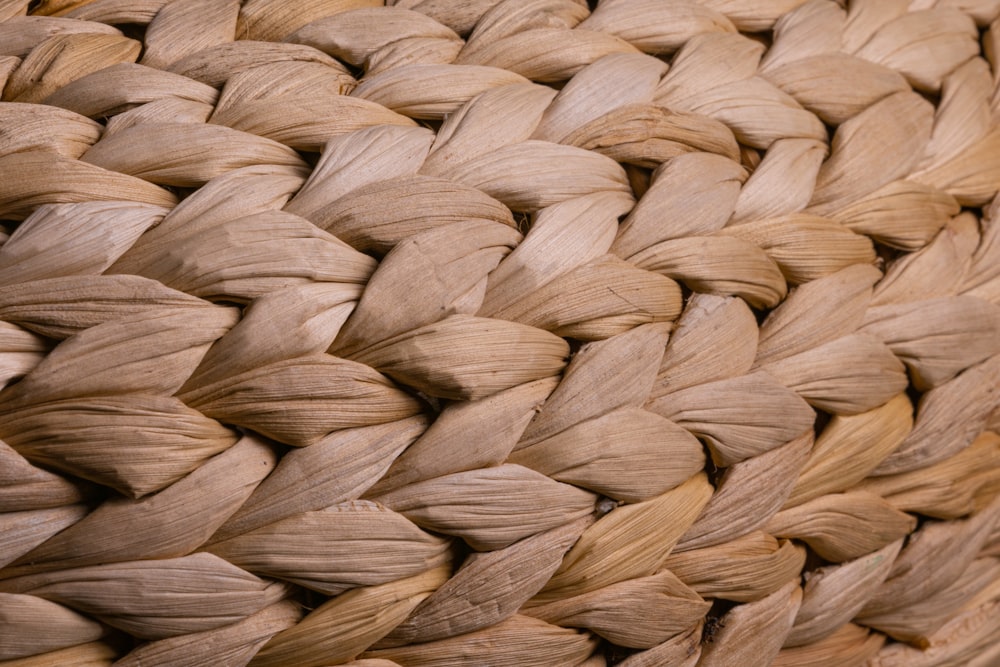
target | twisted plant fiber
[{"x": 478, "y": 332}]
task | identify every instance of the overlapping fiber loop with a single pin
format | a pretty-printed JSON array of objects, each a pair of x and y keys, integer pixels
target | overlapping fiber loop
[{"x": 500, "y": 332}]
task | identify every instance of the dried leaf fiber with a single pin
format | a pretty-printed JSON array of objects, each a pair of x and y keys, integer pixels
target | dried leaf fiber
[{"x": 510, "y": 333}]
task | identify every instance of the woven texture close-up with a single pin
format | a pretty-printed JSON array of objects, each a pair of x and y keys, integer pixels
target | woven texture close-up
[{"x": 499, "y": 333}]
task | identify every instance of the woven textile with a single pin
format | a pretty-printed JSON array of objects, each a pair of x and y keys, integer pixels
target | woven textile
[{"x": 499, "y": 333}]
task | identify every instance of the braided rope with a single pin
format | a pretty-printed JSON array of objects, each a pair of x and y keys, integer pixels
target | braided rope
[{"x": 521, "y": 332}]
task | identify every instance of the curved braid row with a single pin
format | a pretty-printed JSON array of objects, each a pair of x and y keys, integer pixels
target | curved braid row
[{"x": 527, "y": 332}]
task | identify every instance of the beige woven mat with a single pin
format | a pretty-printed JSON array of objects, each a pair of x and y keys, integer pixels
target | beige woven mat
[{"x": 499, "y": 333}]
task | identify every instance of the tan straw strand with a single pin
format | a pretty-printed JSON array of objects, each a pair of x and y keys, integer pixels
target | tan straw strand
[{"x": 510, "y": 333}]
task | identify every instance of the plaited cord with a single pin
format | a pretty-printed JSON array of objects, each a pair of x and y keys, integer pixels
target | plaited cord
[{"x": 530, "y": 332}]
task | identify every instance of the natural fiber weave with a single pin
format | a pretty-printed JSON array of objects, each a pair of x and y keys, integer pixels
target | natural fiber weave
[{"x": 500, "y": 332}]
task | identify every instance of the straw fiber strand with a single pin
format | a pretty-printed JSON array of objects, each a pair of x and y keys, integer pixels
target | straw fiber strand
[{"x": 425, "y": 333}]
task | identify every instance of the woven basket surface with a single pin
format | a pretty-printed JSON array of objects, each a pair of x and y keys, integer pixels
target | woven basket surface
[{"x": 500, "y": 333}]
